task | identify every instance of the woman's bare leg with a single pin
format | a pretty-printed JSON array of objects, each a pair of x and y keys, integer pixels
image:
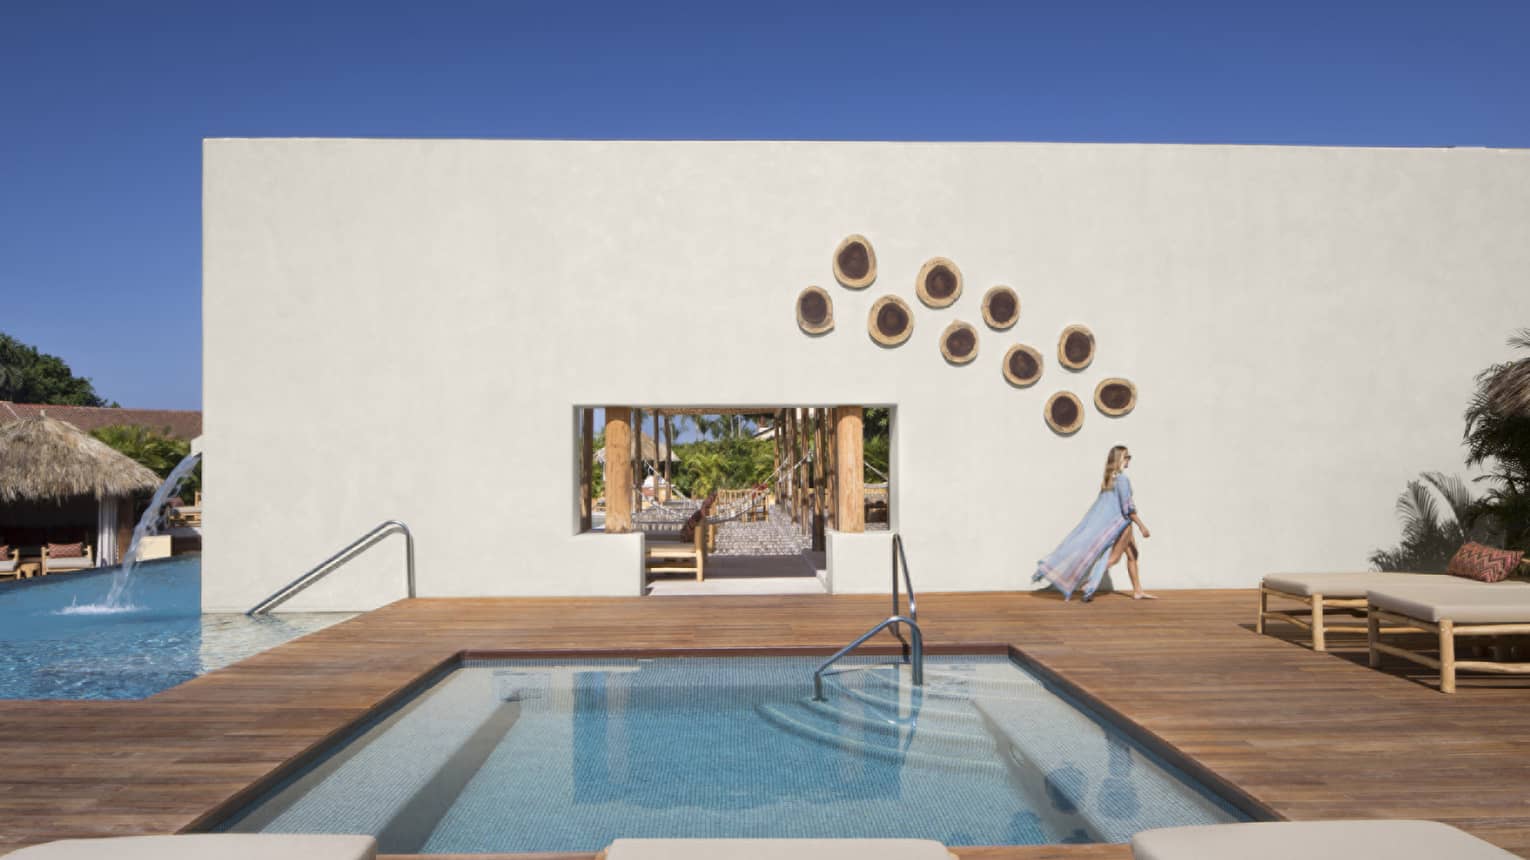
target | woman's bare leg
[{"x": 1126, "y": 545}]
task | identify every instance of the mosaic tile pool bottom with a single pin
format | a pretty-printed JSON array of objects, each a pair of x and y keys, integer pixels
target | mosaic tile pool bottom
[{"x": 566, "y": 756}]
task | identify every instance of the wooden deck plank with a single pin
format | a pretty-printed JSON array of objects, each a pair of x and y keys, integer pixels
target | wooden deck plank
[{"x": 1310, "y": 735}]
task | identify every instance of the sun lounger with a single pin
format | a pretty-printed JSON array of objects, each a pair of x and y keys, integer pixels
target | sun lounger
[
  {"x": 1315, "y": 840},
  {"x": 10, "y": 563},
  {"x": 199, "y": 846},
  {"x": 1465, "y": 608},
  {"x": 1335, "y": 602},
  {"x": 775, "y": 849},
  {"x": 59, "y": 564}
]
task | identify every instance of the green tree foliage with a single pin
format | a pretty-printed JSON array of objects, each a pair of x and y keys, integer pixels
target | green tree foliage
[
  {"x": 876, "y": 431},
  {"x": 153, "y": 450},
  {"x": 1430, "y": 539},
  {"x": 1498, "y": 438},
  {"x": 30, "y": 376},
  {"x": 732, "y": 462}
]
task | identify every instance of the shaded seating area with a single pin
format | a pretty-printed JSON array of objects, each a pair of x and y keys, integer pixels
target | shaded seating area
[
  {"x": 61, "y": 488},
  {"x": 61, "y": 557}
]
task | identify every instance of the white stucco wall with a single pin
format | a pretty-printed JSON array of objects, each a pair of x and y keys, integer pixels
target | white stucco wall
[{"x": 402, "y": 328}]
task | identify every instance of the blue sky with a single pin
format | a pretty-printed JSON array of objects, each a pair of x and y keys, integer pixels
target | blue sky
[{"x": 103, "y": 106}]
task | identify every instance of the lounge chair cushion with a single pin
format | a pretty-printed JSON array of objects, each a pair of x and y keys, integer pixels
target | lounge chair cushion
[
  {"x": 1464, "y": 603},
  {"x": 1483, "y": 563},
  {"x": 1315, "y": 840},
  {"x": 776, "y": 849},
  {"x": 70, "y": 563},
  {"x": 8, "y": 564},
  {"x": 66, "y": 550},
  {"x": 1346, "y": 585},
  {"x": 200, "y": 846}
]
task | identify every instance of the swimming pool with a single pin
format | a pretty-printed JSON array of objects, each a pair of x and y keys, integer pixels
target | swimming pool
[
  {"x": 47, "y": 652},
  {"x": 525, "y": 756}
]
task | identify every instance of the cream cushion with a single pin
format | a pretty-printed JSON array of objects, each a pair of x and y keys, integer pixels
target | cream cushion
[
  {"x": 71, "y": 563},
  {"x": 206, "y": 846},
  {"x": 1343, "y": 585},
  {"x": 1315, "y": 840},
  {"x": 1482, "y": 603},
  {"x": 7, "y": 563},
  {"x": 776, "y": 849}
]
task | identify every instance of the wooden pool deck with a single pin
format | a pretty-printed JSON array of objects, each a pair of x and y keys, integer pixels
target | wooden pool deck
[{"x": 1308, "y": 735}]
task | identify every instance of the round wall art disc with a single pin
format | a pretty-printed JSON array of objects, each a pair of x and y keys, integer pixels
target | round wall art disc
[
  {"x": 1075, "y": 348},
  {"x": 939, "y": 283},
  {"x": 959, "y": 343},
  {"x": 1022, "y": 365},
  {"x": 890, "y": 321},
  {"x": 1001, "y": 308},
  {"x": 815, "y": 310},
  {"x": 855, "y": 262},
  {"x": 1115, "y": 396},
  {"x": 1064, "y": 413}
]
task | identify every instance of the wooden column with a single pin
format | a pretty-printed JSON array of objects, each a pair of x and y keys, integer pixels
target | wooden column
[
  {"x": 586, "y": 468},
  {"x": 656, "y": 438},
  {"x": 618, "y": 469},
  {"x": 636, "y": 425},
  {"x": 850, "y": 478},
  {"x": 669, "y": 451},
  {"x": 775, "y": 456},
  {"x": 820, "y": 477},
  {"x": 830, "y": 467},
  {"x": 804, "y": 470}
]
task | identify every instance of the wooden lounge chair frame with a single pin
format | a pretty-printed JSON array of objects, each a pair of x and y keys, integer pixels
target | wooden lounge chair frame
[
  {"x": 1324, "y": 615},
  {"x": 1446, "y": 632},
  {"x": 675, "y": 557},
  {"x": 88, "y": 557}
]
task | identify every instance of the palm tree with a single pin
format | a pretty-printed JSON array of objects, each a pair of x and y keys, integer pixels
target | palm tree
[
  {"x": 1498, "y": 436},
  {"x": 1429, "y": 541}
]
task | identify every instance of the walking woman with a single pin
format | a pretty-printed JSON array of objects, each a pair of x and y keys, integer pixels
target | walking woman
[{"x": 1101, "y": 539}]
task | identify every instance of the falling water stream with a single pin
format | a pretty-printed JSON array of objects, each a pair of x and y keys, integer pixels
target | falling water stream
[{"x": 117, "y": 600}]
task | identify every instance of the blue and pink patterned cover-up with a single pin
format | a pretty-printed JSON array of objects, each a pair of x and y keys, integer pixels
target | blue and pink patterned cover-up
[{"x": 1086, "y": 549}]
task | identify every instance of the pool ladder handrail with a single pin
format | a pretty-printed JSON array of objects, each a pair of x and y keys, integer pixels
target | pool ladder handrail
[
  {"x": 334, "y": 562},
  {"x": 913, "y": 653}
]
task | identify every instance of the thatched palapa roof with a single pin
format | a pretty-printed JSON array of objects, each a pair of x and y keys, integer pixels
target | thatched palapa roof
[{"x": 45, "y": 458}]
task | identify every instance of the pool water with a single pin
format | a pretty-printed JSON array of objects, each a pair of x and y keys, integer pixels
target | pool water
[
  {"x": 566, "y": 756},
  {"x": 50, "y": 651}
]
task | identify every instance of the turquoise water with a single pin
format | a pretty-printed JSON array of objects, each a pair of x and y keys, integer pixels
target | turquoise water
[
  {"x": 50, "y": 650},
  {"x": 567, "y": 756}
]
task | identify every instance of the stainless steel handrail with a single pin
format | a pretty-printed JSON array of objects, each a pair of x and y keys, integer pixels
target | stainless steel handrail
[
  {"x": 328, "y": 565},
  {"x": 917, "y": 661},
  {"x": 912, "y": 653}
]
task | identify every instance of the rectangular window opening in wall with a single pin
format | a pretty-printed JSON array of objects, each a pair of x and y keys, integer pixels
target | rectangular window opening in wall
[{"x": 733, "y": 499}]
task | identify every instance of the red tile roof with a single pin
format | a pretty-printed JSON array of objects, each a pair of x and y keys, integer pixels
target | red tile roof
[{"x": 183, "y": 424}]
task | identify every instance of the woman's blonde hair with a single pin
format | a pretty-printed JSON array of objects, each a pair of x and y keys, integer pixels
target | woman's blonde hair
[{"x": 1113, "y": 463}]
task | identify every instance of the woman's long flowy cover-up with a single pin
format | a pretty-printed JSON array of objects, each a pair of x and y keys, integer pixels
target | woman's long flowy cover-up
[{"x": 1088, "y": 545}]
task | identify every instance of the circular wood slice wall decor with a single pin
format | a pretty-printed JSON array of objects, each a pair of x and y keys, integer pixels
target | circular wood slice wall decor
[
  {"x": 959, "y": 343},
  {"x": 1075, "y": 349},
  {"x": 815, "y": 310},
  {"x": 939, "y": 283},
  {"x": 1115, "y": 396},
  {"x": 1064, "y": 413},
  {"x": 890, "y": 321},
  {"x": 855, "y": 263},
  {"x": 1022, "y": 365},
  {"x": 1001, "y": 308}
]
